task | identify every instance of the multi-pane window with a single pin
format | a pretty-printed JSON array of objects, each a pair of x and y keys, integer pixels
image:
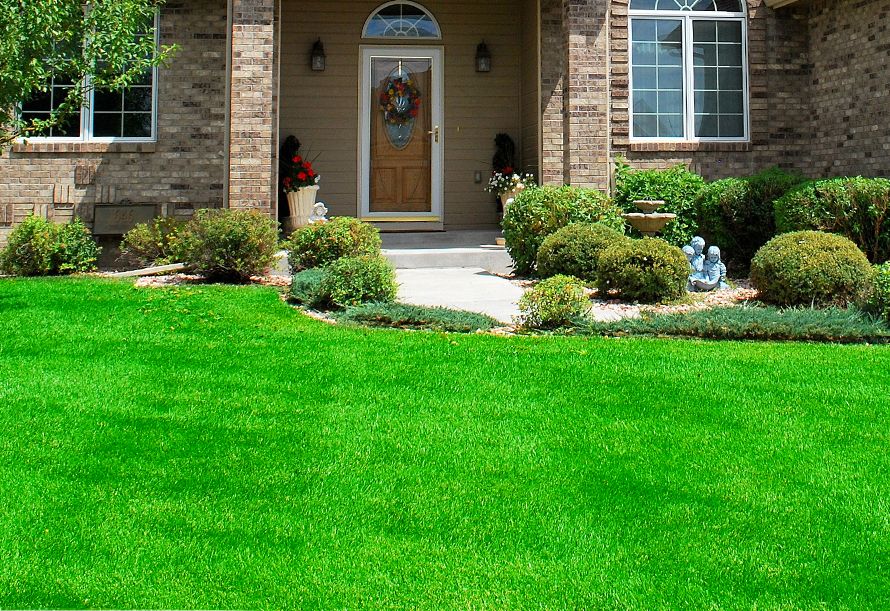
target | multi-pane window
[
  {"x": 688, "y": 70},
  {"x": 123, "y": 114},
  {"x": 401, "y": 20}
]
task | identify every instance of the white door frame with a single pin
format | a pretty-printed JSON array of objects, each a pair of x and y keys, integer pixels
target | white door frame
[{"x": 435, "y": 55}]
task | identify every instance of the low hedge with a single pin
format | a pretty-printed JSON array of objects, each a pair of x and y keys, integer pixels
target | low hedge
[
  {"x": 857, "y": 208},
  {"x": 648, "y": 270},
  {"x": 737, "y": 214},
  {"x": 763, "y": 323},
  {"x": 575, "y": 250},
  {"x": 403, "y": 316},
  {"x": 540, "y": 211},
  {"x": 677, "y": 186},
  {"x": 811, "y": 268}
]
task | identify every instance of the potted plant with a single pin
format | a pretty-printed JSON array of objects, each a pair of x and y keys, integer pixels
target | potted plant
[
  {"x": 505, "y": 181},
  {"x": 300, "y": 181}
]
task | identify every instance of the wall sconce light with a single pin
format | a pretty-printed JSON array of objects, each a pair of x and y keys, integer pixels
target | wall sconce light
[
  {"x": 483, "y": 58},
  {"x": 318, "y": 56}
]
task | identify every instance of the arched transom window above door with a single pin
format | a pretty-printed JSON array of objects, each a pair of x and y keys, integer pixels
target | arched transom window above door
[
  {"x": 402, "y": 20},
  {"x": 689, "y": 70}
]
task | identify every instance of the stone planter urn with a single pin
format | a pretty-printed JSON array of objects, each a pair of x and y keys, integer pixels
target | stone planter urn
[
  {"x": 301, "y": 203},
  {"x": 508, "y": 197}
]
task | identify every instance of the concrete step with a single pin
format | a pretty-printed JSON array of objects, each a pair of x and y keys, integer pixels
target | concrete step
[{"x": 493, "y": 259}]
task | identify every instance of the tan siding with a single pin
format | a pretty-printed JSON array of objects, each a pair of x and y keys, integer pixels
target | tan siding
[{"x": 321, "y": 109}]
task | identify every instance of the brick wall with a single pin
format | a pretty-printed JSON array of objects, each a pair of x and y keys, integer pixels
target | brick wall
[
  {"x": 183, "y": 170},
  {"x": 779, "y": 73},
  {"x": 254, "y": 94},
  {"x": 850, "y": 56}
]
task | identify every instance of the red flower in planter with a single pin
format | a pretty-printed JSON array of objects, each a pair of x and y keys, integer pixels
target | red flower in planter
[{"x": 302, "y": 176}]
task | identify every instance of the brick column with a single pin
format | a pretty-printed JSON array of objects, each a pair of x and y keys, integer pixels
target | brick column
[
  {"x": 552, "y": 80},
  {"x": 586, "y": 93},
  {"x": 253, "y": 141}
]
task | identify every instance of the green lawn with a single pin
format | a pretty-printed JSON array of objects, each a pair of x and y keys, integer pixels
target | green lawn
[{"x": 211, "y": 447}]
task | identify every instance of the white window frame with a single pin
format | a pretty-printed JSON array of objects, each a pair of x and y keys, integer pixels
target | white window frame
[
  {"x": 86, "y": 112},
  {"x": 412, "y": 39},
  {"x": 687, "y": 18}
]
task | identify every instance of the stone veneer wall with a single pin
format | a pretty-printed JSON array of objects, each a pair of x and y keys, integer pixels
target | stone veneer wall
[
  {"x": 185, "y": 169},
  {"x": 850, "y": 56},
  {"x": 779, "y": 73}
]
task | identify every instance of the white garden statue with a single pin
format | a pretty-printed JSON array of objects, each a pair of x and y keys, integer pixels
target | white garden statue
[{"x": 319, "y": 214}]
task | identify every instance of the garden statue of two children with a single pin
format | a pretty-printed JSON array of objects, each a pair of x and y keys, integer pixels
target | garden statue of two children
[{"x": 708, "y": 272}]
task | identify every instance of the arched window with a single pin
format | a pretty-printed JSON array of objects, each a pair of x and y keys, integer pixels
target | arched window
[
  {"x": 689, "y": 77},
  {"x": 401, "y": 20}
]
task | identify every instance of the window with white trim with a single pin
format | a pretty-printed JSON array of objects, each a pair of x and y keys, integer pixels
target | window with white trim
[
  {"x": 121, "y": 115},
  {"x": 688, "y": 78}
]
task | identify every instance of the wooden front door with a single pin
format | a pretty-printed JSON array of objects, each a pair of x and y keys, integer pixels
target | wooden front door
[{"x": 402, "y": 137}]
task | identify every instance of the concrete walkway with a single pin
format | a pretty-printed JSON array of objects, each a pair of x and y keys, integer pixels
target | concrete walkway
[{"x": 461, "y": 288}]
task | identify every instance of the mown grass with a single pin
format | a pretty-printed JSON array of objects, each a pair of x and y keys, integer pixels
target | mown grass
[{"x": 211, "y": 447}]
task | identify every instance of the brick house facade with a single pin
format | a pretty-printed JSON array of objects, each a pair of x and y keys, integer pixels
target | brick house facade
[{"x": 817, "y": 77}]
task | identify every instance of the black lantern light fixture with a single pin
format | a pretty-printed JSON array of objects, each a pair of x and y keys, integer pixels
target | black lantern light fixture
[
  {"x": 483, "y": 58},
  {"x": 318, "y": 56}
]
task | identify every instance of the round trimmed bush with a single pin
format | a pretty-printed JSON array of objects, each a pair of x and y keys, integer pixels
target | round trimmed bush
[
  {"x": 351, "y": 281},
  {"x": 154, "y": 243},
  {"x": 811, "y": 268},
  {"x": 37, "y": 247},
  {"x": 737, "y": 214},
  {"x": 857, "y": 208},
  {"x": 540, "y": 211},
  {"x": 554, "y": 302},
  {"x": 323, "y": 243},
  {"x": 648, "y": 270},
  {"x": 878, "y": 302},
  {"x": 229, "y": 245},
  {"x": 575, "y": 249}
]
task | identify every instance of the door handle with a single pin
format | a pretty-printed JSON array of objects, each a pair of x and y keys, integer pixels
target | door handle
[{"x": 435, "y": 134}]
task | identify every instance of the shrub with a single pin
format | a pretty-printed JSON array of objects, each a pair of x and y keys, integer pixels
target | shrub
[
  {"x": 878, "y": 301},
  {"x": 648, "y": 270},
  {"x": 155, "y": 243},
  {"x": 857, "y": 208},
  {"x": 307, "y": 287},
  {"x": 229, "y": 245},
  {"x": 37, "y": 247},
  {"x": 402, "y": 316},
  {"x": 77, "y": 251},
  {"x": 540, "y": 211},
  {"x": 574, "y": 250},
  {"x": 351, "y": 281},
  {"x": 811, "y": 268},
  {"x": 751, "y": 323},
  {"x": 553, "y": 302},
  {"x": 677, "y": 186},
  {"x": 738, "y": 215},
  {"x": 324, "y": 243}
]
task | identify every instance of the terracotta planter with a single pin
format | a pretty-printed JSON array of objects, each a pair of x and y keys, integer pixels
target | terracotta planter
[{"x": 301, "y": 203}]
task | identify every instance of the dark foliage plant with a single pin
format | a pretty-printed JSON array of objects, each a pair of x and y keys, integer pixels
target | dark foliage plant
[{"x": 307, "y": 288}]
